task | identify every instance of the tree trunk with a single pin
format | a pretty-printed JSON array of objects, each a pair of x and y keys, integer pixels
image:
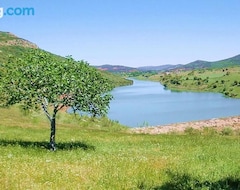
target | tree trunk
[
  {"x": 52, "y": 134},
  {"x": 52, "y": 120}
]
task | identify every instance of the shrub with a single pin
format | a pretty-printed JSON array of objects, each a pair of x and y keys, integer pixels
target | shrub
[
  {"x": 191, "y": 131},
  {"x": 227, "y": 131},
  {"x": 214, "y": 86}
]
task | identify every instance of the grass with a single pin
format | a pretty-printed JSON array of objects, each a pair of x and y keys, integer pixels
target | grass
[
  {"x": 102, "y": 154},
  {"x": 225, "y": 81}
]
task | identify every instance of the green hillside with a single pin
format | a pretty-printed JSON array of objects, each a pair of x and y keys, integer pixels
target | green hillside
[
  {"x": 13, "y": 45},
  {"x": 199, "y": 64},
  {"x": 233, "y": 61},
  {"x": 224, "y": 81},
  {"x": 116, "y": 68}
]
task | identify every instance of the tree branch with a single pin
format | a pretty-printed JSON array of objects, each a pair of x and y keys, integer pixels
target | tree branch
[
  {"x": 45, "y": 109},
  {"x": 60, "y": 107}
]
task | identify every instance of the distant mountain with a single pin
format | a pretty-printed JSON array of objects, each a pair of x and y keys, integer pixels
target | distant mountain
[
  {"x": 116, "y": 68},
  {"x": 198, "y": 64},
  {"x": 159, "y": 68},
  {"x": 233, "y": 61}
]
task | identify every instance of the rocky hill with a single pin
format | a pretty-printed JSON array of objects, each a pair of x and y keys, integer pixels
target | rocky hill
[
  {"x": 13, "y": 45},
  {"x": 9, "y": 39}
]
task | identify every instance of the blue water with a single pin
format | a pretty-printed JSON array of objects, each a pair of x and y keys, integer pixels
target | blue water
[{"x": 147, "y": 103}]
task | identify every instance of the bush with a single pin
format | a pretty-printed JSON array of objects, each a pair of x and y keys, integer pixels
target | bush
[
  {"x": 191, "y": 131},
  {"x": 227, "y": 131},
  {"x": 214, "y": 86}
]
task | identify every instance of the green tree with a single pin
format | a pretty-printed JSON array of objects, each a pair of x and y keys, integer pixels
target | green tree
[{"x": 41, "y": 80}]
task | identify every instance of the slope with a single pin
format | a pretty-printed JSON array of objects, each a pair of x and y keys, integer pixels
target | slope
[{"x": 10, "y": 44}]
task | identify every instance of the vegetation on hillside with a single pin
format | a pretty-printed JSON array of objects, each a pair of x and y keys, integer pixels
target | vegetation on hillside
[
  {"x": 8, "y": 46},
  {"x": 15, "y": 46},
  {"x": 116, "y": 80},
  {"x": 224, "y": 80},
  {"x": 116, "y": 68},
  {"x": 144, "y": 74},
  {"x": 100, "y": 154},
  {"x": 199, "y": 64}
]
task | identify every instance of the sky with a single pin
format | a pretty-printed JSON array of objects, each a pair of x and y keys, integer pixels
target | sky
[{"x": 130, "y": 32}]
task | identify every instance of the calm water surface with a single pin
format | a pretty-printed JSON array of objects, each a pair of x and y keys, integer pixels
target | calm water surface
[{"x": 148, "y": 103}]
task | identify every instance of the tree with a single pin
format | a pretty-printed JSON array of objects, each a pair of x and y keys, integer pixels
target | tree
[{"x": 41, "y": 80}]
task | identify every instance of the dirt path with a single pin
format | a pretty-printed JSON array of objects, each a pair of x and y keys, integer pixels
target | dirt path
[{"x": 217, "y": 123}]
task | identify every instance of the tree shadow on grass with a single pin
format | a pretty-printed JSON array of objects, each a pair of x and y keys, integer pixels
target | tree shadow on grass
[
  {"x": 45, "y": 145},
  {"x": 185, "y": 181}
]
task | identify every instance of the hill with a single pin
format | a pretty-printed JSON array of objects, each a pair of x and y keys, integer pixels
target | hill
[
  {"x": 116, "y": 68},
  {"x": 198, "y": 64},
  {"x": 159, "y": 68},
  {"x": 225, "y": 81},
  {"x": 10, "y": 44},
  {"x": 233, "y": 61}
]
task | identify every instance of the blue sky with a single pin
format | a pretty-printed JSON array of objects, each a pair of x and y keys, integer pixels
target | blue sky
[{"x": 130, "y": 32}]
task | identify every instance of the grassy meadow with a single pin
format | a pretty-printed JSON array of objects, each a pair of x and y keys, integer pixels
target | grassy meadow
[
  {"x": 225, "y": 80},
  {"x": 102, "y": 154}
]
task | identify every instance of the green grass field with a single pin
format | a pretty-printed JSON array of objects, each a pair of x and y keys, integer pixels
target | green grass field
[
  {"x": 225, "y": 81},
  {"x": 102, "y": 154}
]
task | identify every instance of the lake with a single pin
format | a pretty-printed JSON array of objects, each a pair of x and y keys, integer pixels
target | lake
[{"x": 147, "y": 103}]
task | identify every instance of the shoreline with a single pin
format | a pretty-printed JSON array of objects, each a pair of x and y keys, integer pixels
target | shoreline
[{"x": 218, "y": 124}]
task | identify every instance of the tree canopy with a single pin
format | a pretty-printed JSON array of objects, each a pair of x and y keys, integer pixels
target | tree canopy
[{"x": 41, "y": 80}]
